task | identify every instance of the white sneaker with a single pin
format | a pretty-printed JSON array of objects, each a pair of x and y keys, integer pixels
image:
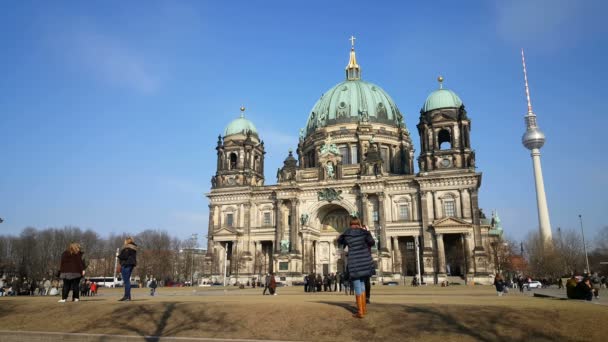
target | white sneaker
[
  {"x": 61, "y": 301},
  {"x": 76, "y": 300}
]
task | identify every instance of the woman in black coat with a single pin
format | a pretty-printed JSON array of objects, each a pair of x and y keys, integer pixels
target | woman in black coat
[
  {"x": 71, "y": 270},
  {"x": 128, "y": 260},
  {"x": 360, "y": 263}
]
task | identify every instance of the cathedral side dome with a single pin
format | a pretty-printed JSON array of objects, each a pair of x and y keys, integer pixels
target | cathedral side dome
[
  {"x": 240, "y": 125},
  {"x": 441, "y": 98}
]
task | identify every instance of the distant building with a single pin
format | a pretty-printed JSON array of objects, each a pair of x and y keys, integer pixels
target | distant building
[{"x": 355, "y": 157}]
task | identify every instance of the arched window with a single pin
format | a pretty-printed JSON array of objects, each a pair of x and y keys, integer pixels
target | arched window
[
  {"x": 444, "y": 136},
  {"x": 232, "y": 161}
]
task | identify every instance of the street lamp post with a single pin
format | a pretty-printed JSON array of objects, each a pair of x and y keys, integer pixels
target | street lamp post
[
  {"x": 225, "y": 262},
  {"x": 580, "y": 217},
  {"x": 115, "y": 265},
  {"x": 418, "y": 259},
  {"x": 380, "y": 275},
  {"x": 194, "y": 238}
]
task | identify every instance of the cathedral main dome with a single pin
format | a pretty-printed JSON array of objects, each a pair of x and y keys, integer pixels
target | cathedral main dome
[{"x": 353, "y": 100}]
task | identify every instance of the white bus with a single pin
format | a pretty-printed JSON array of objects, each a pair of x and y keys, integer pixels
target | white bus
[{"x": 106, "y": 281}]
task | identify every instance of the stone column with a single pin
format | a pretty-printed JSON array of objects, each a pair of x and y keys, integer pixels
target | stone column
[
  {"x": 363, "y": 212},
  {"x": 476, "y": 220},
  {"x": 210, "y": 229},
  {"x": 440, "y": 254},
  {"x": 278, "y": 221},
  {"x": 398, "y": 258},
  {"x": 468, "y": 253},
  {"x": 247, "y": 226},
  {"x": 349, "y": 155},
  {"x": 295, "y": 223},
  {"x": 415, "y": 216},
  {"x": 426, "y": 236},
  {"x": 381, "y": 212},
  {"x": 467, "y": 204},
  {"x": 436, "y": 207}
]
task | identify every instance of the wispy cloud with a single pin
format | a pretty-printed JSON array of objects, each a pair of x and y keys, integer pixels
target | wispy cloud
[
  {"x": 183, "y": 186},
  {"x": 103, "y": 56},
  {"x": 199, "y": 218},
  {"x": 549, "y": 24}
]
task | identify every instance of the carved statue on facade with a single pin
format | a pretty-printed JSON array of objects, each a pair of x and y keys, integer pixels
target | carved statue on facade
[
  {"x": 329, "y": 147},
  {"x": 329, "y": 167},
  {"x": 213, "y": 182},
  {"x": 364, "y": 116},
  {"x": 304, "y": 219},
  {"x": 284, "y": 246},
  {"x": 329, "y": 194}
]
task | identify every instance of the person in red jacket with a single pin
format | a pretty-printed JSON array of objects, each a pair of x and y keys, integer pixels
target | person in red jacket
[
  {"x": 93, "y": 289},
  {"x": 71, "y": 269}
]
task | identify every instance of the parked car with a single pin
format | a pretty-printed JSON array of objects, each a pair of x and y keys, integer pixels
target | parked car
[{"x": 534, "y": 284}]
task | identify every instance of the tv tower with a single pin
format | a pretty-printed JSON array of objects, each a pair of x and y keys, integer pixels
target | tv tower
[{"x": 533, "y": 140}]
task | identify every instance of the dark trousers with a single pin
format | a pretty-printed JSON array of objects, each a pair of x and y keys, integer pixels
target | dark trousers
[
  {"x": 70, "y": 284},
  {"x": 265, "y": 289},
  {"x": 368, "y": 289},
  {"x": 125, "y": 272}
]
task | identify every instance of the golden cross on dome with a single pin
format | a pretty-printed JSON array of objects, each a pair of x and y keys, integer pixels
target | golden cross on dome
[{"x": 352, "y": 41}]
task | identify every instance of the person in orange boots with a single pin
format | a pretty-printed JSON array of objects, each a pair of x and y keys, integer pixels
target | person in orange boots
[{"x": 359, "y": 261}]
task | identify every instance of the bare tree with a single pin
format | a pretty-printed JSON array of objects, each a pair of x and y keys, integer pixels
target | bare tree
[
  {"x": 543, "y": 259},
  {"x": 570, "y": 252}
]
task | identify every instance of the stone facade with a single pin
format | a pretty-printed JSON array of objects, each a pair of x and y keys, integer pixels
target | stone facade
[{"x": 363, "y": 165}]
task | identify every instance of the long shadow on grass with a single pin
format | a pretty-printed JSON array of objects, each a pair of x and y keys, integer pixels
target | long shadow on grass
[
  {"x": 477, "y": 322},
  {"x": 167, "y": 319}
]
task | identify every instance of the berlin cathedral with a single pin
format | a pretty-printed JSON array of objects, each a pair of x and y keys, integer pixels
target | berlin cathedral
[{"x": 355, "y": 157}]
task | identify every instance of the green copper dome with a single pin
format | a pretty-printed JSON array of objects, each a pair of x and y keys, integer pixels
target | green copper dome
[
  {"x": 240, "y": 126},
  {"x": 353, "y": 101},
  {"x": 442, "y": 98}
]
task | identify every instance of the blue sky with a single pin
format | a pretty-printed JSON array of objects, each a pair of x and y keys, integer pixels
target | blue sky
[{"x": 109, "y": 112}]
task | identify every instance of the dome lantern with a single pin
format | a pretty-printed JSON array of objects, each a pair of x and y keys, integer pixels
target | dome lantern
[{"x": 353, "y": 71}]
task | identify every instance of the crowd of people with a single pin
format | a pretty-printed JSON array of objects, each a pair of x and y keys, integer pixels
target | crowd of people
[{"x": 586, "y": 287}]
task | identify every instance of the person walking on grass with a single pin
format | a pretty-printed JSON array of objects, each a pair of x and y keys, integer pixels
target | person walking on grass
[
  {"x": 360, "y": 263},
  {"x": 272, "y": 285},
  {"x": 596, "y": 284},
  {"x": 499, "y": 283},
  {"x": 266, "y": 284},
  {"x": 153, "y": 286},
  {"x": 128, "y": 260},
  {"x": 71, "y": 269}
]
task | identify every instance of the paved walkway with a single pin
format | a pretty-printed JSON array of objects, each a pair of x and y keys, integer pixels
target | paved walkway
[{"x": 561, "y": 294}]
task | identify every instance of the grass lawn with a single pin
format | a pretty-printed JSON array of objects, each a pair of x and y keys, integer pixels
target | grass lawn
[{"x": 396, "y": 314}]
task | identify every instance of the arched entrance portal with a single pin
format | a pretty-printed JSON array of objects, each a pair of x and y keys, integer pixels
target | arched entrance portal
[{"x": 334, "y": 220}]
